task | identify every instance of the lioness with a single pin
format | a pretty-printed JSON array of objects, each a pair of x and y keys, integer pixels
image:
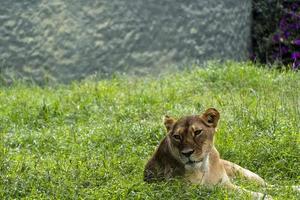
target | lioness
[{"x": 188, "y": 150}]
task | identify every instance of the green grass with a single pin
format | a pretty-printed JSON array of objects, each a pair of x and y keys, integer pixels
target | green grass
[{"x": 91, "y": 140}]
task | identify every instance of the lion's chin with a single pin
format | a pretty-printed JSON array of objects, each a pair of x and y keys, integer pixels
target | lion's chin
[
  {"x": 201, "y": 163},
  {"x": 192, "y": 162},
  {"x": 193, "y": 165}
]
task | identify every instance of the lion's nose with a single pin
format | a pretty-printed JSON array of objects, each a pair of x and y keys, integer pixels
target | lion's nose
[{"x": 187, "y": 153}]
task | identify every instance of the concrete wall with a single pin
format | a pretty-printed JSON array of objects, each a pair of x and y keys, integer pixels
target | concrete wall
[{"x": 69, "y": 39}]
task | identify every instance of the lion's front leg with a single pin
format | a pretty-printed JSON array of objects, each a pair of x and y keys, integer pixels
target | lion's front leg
[
  {"x": 234, "y": 170},
  {"x": 254, "y": 195}
]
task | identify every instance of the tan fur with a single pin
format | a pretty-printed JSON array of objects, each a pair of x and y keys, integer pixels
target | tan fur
[{"x": 188, "y": 151}]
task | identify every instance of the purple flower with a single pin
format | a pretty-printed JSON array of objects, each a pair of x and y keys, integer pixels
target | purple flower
[
  {"x": 294, "y": 15},
  {"x": 286, "y": 34},
  {"x": 294, "y": 26},
  {"x": 295, "y": 55},
  {"x": 295, "y": 6},
  {"x": 286, "y": 40},
  {"x": 297, "y": 41},
  {"x": 276, "y": 37},
  {"x": 284, "y": 49},
  {"x": 283, "y": 24}
]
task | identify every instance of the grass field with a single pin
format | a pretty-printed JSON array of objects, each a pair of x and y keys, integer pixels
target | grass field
[{"x": 91, "y": 140}]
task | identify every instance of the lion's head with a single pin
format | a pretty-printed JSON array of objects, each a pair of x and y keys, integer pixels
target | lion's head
[{"x": 191, "y": 137}]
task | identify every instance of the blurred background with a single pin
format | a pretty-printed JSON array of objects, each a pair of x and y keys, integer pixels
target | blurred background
[{"x": 65, "y": 40}]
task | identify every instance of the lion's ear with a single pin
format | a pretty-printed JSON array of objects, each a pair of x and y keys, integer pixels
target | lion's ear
[
  {"x": 169, "y": 122},
  {"x": 211, "y": 116}
]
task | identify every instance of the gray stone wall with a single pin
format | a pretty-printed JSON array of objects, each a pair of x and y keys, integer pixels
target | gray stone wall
[{"x": 69, "y": 39}]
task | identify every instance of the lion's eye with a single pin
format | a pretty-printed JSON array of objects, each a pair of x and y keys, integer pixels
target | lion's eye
[
  {"x": 198, "y": 132},
  {"x": 177, "y": 137}
]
